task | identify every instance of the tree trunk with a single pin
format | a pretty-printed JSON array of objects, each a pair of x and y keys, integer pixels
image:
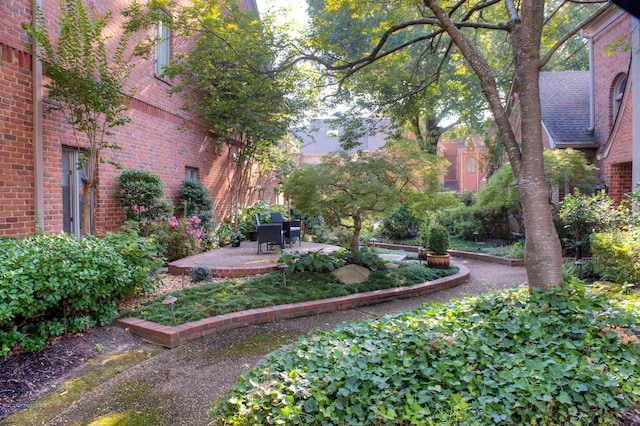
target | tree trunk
[
  {"x": 355, "y": 238},
  {"x": 543, "y": 253},
  {"x": 431, "y": 135},
  {"x": 89, "y": 185}
]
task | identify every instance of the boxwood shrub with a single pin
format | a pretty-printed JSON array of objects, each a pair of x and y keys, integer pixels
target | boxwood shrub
[{"x": 54, "y": 284}]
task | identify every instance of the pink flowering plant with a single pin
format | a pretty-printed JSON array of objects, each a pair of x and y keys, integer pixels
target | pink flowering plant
[{"x": 182, "y": 237}]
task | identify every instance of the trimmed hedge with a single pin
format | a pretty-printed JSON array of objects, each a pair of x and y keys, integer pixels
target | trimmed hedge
[{"x": 54, "y": 284}]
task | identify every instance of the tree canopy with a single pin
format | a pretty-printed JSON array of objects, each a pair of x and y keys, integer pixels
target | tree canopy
[
  {"x": 529, "y": 32},
  {"x": 349, "y": 189},
  {"x": 227, "y": 79}
]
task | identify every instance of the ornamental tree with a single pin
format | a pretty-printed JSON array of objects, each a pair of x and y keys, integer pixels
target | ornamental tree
[
  {"x": 347, "y": 190},
  {"x": 86, "y": 80}
]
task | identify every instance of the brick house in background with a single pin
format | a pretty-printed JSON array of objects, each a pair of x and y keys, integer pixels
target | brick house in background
[
  {"x": 468, "y": 169},
  {"x": 593, "y": 111},
  {"x": 615, "y": 110},
  {"x": 39, "y": 180},
  {"x": 322, "y": 137}
]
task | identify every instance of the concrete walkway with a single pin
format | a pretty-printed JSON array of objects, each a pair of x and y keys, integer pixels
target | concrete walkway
[{"x": 181, "y": 384}]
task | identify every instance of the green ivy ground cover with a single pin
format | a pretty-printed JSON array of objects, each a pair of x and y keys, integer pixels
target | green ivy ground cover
[
  {"x": 219, "y": 298},
  {"x": 566, "y": 357}
]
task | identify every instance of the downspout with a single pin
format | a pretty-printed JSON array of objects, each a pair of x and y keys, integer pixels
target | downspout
[
  {"x": 634, "y": 80},
  {"x": 38, "y": 151},
  {"x": 592, "y": 95}
]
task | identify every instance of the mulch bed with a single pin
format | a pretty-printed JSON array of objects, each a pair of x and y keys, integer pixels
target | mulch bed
[{"x": 26, "y": 376}]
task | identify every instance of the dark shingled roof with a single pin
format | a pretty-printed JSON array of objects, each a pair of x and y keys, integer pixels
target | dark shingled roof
[{"x": 564, "y": 97}]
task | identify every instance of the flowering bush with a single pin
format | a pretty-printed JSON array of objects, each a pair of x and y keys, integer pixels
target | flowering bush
[{"x": 180, "y": 237}]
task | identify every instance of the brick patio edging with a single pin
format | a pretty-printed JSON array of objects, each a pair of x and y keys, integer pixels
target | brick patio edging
[
  {"x": 171, "y": 337},
  {"x": 458, "y": 253}
]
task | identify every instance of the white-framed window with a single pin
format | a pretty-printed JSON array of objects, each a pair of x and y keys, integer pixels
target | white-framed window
[
  {"x": 471, "y": 165},
  {"x": 618, "y": 93},
  {"x": 162, "y": 54},
  {"x": 191, "y": 173}
]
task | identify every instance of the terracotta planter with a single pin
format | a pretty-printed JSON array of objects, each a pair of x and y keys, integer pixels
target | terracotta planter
[{"x": 438, "y": 261}]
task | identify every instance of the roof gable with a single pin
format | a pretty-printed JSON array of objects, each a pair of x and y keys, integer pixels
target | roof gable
[{"x": 564, "y": 99}]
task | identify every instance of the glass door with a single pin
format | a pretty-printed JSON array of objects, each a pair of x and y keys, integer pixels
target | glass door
[{"x": 72, "y": 193}]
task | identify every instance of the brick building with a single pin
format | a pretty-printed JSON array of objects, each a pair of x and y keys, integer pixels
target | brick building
[
  {"x": 39, "y": 180},
  {"x": 322, "y": 137},
  {"x": 615, "y": 119},
  {"x": 593, "y": 111},
  {"x": 468, "y": 169}
]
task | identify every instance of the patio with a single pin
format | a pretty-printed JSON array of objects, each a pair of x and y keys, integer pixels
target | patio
[{"x": 231, "y": 262}]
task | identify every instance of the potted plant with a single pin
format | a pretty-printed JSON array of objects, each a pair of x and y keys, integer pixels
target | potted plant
[
  {"x": 438, "y": 242},
  {"x": 236, "y": 238}
]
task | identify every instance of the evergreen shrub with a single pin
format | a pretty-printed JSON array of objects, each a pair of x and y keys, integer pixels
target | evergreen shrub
[
  {"x": 194, "y": 199},
  {"x": 54, "y": 284}
]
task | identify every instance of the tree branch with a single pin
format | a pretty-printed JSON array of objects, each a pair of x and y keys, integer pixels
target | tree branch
[{"x": 568, "y": 35}]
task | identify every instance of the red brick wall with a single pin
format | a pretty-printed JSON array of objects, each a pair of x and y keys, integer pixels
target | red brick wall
[
  {"x": 157, "y": 139},
  {"x": 606, "y": 69},
  {"x": 16, "y": 161},
  {"x": 615, "y": 168}
]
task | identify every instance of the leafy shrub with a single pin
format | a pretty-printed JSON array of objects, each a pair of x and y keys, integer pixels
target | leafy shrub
[
  {"x": 401, "y": 224},
  {"x": 367, "y": 258},
  {"x": 53, "y": 284},
  {"x": 582, "y": 215},
  {"x": 223, "y": 234},
  {"x": 438, "y": 239},
  {"x": 247, "y": 220},
  {"x": 320, "y": 262},
  {"x": 466, "y": 230},
  {"x": 513, "y": 251},
  {"x": 616, "y": 256},
  {"x": 323, "y": 233},
  {"x": 200, "y": 274},
  {"x": 195, "y": 200},
  {"x": 179, "y": 237},
  {"x": 235, "y": 238},
  {"x": 313, "y": 261},
  {"x": 140, "y": 193},
  {"x": 586, "y": 270},
  {"x": 562, "y": 357}
]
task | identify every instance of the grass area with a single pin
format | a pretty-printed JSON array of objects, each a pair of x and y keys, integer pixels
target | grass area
[
  {"x": 217, "y": 298},
  {"x": 569, "y": 356}
]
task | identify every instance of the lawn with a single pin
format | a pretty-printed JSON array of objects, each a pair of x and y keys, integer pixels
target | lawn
[{"x": 217, "y": 298}]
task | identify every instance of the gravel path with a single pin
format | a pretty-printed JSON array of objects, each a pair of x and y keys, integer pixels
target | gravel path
[{"x": 179, "y": 385}]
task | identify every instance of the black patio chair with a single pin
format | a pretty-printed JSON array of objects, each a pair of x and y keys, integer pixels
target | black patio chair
[
  {"x": 291, "y": 228},
  {"x": 271, "y": 234}
]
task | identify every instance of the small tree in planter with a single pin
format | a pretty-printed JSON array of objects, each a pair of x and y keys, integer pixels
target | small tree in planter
[{"x": 438, "y": 243}]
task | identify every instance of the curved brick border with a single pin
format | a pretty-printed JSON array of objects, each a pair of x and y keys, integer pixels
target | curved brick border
[
  {"x": 458, "y": 253},
  {"x": 171, "y": 337}
]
